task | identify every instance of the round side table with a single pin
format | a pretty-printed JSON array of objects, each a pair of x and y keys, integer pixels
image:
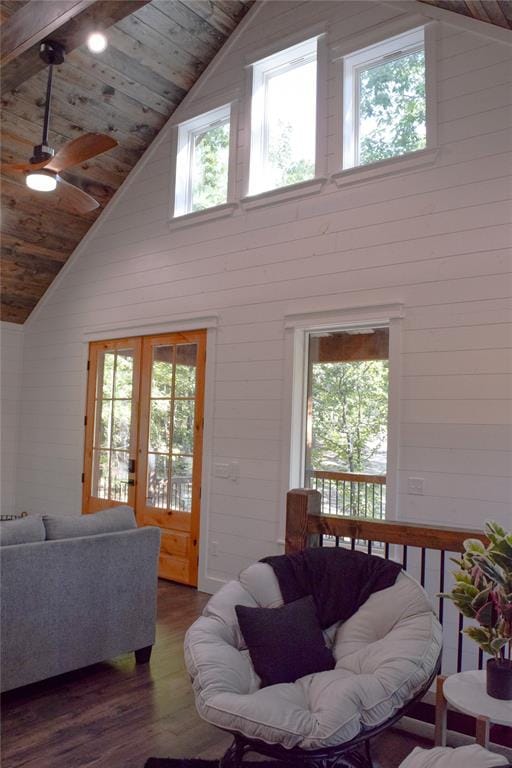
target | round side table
[{"x": 466, "y": 692}]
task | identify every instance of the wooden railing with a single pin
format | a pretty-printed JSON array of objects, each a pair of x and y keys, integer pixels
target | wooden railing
[
  {"x": 421, "y": 549},
  {"x": 350, "y": 493}
]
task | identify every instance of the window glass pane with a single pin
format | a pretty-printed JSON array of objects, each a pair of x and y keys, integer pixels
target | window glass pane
[
  {"x": 158, "y": 481},
  {"x": 289, "y": 127},
  {"x": 210, "y": 157},
  {"x": 183, "y": 430},
  {"x": 121, "y": 424},
  {"x": 161, "y": 375},
  {"x": 181, "y": 483},
  {"x": 159, "y": 423},
  {"x": 186, "y": 355},
  {"x": 124, "y": 373},
  {"x": 391, "y": 99},
  {"x": 347, "y": 416}
]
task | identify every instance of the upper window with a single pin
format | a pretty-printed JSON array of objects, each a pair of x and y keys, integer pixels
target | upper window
[
  {"x": 384, "y": 100},
  {"x": 283, "y": 118},
  {"x": 202, "y": 162}
]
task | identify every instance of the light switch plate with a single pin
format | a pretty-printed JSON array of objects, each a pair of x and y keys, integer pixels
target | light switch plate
[{"x": 415, "y": 486}]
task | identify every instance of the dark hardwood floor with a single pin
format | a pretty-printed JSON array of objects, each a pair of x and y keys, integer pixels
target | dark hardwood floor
[{"x": 116, "y": 714}]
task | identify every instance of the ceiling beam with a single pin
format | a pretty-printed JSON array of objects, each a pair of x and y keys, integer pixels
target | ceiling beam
[
  {"x": 33, "y": 23},
  {"x": 78, "y": 18}
]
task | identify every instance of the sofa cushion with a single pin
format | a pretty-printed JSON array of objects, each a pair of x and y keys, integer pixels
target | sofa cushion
[
  {"x": 106, "y": 521},
  {"x": 285, "y": 643},
  {"x": 473, "y": 756},
  {"x": 23, "y": 530}
]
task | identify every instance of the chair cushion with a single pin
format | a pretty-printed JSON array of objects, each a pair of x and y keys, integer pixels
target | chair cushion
[
  {"x": 107, "y": 521},
  {"x": 284, "y": 643},
  {"x": 23, "y": 530},
  {"x": 471, "y": 756},
  {"x": 385, "y": 653}
]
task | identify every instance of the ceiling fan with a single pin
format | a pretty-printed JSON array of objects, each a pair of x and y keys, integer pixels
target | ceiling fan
[{"x": 43, "y": 169}]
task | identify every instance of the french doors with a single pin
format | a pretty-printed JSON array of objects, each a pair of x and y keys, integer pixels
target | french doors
[{"x": 143, "y": 441}]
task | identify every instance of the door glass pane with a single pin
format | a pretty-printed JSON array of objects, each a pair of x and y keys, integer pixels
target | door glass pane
[
  {"x": 181, "y": 483},
  {"x": 124, "y": 373},
  {"x": 186, "y": 355},
  {"x": 105, "y": 423},
  {"x": 106, "y": 363},
  {"x": 183, "y": 426},
  {"x": 119, "y": 475},
  {"x": 162, "y": 370},
  {"x": 121, "y": 424},
  {"x": 159, "y": 425},
  {"x": 100, "y": 474},
  {"x": 158, "y": 481}
]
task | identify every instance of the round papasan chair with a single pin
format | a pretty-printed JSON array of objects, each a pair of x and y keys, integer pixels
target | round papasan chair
[{"x": 386, "y": 654}]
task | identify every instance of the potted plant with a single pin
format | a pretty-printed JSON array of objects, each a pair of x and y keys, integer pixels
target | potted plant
[{"x": 483, "y": 592}]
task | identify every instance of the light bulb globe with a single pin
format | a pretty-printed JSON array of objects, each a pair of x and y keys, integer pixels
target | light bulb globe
[
  {"x": 96, "y": 42},
  {"x": 41, "y": 181}
]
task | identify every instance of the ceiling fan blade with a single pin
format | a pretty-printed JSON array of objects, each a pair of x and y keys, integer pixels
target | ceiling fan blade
[
  {"x": 79, "y": 150},
  {"x": 22, "y": 167},
  {"x": 74, "y": 198}
]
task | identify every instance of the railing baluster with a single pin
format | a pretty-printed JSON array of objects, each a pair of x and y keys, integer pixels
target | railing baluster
[
  {"x": 459, "y": 642},
  {"x": 337, "y": 538},
  {"x": 352, "y": 543},
  {"x": 369, "y": 546},
  {"x": 441, "y": 586},
  {"x": 423, "y": 558},
  {"x": 480, "y": 658},
  {"x": 404, "y": 558},
  {"x": 386, "y": 551}
]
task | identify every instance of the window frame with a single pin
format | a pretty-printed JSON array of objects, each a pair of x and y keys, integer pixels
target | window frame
[
  {"x": 389, "y": 49},
  {"x": 186, "y": 131},
  {"x": 261, "y": 71}
]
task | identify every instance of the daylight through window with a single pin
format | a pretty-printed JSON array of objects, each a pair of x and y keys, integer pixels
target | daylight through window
[
  {"x": 384, "y": 100},
  {"x": 203, "y": 162},
  {"x": 283, "y": 118}
]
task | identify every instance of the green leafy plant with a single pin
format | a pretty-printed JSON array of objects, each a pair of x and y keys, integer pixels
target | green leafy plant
[{"x": 483, "y": 590}]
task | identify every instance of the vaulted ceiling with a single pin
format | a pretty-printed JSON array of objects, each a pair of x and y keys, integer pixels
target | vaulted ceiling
[{"x": 157, "y": 50}]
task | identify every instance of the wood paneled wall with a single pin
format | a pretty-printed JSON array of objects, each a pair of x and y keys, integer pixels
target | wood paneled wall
[{"x": 436, "y": 240}]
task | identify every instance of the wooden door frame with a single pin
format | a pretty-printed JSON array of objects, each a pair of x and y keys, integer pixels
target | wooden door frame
[
  {"x": 90, "y": 409},
  {"x": 181, "y": 337}
]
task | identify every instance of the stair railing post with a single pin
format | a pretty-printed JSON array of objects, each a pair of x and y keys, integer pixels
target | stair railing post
[{"x": 300, "y": 503}]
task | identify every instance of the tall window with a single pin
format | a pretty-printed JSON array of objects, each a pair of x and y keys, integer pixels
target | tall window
[
  {"x": 202, "y": 162},
  {"x": 283, "y": 118},
  {"x": 384, "y": 100},
  {"x": 347, "y": 420}
]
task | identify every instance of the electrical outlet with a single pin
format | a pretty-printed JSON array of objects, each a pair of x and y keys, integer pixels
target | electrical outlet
[
  {"x": 415, "y": 486},
  {"x": 222, "y": 470},
  {"x": 215, "y": 548}
]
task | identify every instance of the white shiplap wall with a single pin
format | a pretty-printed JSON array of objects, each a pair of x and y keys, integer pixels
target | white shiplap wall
[
  {"x": 436, "y": 240},
  {"x": 11, "y": 352}
]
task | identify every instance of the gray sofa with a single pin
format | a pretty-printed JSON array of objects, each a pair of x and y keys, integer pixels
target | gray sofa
[{"x": 70, "y": 602}]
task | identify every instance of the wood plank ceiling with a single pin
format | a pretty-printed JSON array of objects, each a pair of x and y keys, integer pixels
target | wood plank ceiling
[
  {"x": 498, "y": 12},
  {"x": 154, "y": 56},
  {"x": 156, "y": 51}
]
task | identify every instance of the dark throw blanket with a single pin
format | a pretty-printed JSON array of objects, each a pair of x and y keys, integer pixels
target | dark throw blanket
[{"x": 339, "y": 580}]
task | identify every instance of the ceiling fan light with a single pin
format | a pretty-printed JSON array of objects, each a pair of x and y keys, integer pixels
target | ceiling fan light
[
  {"x": 41, "y": 181},
  {"x": 97, "y": 42}
]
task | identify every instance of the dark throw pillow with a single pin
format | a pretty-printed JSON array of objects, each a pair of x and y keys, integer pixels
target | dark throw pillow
[{"x": 284, "y": 643}]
